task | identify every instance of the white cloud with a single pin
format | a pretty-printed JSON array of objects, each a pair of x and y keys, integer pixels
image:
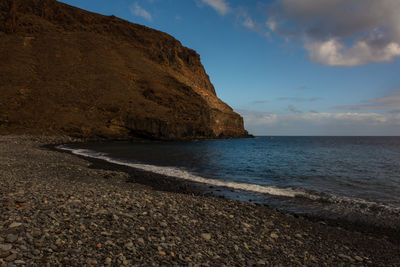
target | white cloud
[
  {"x": 137, "y": 10},
  {"x": 299, "y": 99},
  {"x": 387, "y": 102},
  {"x": 271, "y": 24},
  {"x": 221, "y": 6},
  {"x": 334, "y": 53},
  {"x": 249, "y": 23},
  {"x": 313, "y": 123},
  {"x": 341, "y": 32}
]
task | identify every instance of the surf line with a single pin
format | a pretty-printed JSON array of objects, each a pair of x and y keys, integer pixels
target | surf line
[{"x": 183, "y": 174}]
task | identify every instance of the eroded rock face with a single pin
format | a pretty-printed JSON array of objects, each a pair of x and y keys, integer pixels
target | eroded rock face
[{"x": 68, "y": 71}]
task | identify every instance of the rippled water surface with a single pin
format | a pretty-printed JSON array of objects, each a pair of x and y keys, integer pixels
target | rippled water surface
[{"x": 306, "y": 174}]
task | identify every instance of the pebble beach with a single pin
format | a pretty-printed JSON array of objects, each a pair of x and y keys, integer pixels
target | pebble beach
[{"x": 57, "y": 209}]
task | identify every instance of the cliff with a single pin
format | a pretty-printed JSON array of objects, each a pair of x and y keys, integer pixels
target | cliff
[{"x": 64, "y": 70}]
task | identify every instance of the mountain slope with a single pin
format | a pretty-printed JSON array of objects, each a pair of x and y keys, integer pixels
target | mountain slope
[{"x": 64, "y": 70}]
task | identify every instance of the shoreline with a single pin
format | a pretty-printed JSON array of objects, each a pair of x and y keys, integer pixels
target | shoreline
[
  {"x": 167, "y": 183},
  {"x": 149, "y": 219}
]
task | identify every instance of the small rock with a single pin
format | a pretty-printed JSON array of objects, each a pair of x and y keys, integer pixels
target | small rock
[
  {"x": 358, "y": 258},
  {"x": 36, "y": 233},
  {"x": 14, "y": 225},
  {"x": 5, "y": 247},
  {"x": 108, "y": 261},
  {"x": 19, "y": 262},
  {"x": 246, "y": 225},
  {"x": 346, "y": 257},
  {"x": 312, "y": 258},
  {"x": 162, "y": 253},
  {"x": 105, "y": 233},
  {"x": 206, "y": 236},
  {"x": 274, "y": 235},
  {"x": 11, "y": 238},
  {"x": 109, "y": 243},
  {"x": 129, "y": 245},
  {"x": 102, "y": 212},
  {"x": 12, "y": 257}
]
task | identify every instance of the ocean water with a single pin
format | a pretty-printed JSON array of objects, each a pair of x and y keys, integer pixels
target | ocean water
[{"x": 356, "y": 178}]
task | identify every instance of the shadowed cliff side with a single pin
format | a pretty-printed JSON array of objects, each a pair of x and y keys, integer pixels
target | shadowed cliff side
[{"x": 68, "y": 71}]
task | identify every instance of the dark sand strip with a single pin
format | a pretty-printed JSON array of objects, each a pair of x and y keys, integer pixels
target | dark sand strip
[{"x": 56, "y": 208}]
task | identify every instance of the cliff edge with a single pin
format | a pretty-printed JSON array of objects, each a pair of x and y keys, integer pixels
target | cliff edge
[{"x": 64, "y": 70}]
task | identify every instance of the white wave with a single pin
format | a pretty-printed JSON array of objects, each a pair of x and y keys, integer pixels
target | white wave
[
  {"x": 270, "y": 190},
  {"x": 183, "y": 174}
]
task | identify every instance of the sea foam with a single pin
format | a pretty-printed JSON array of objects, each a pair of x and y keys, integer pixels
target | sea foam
[
  {"x": 184, "y": 174},
  {"x": 348, "y": 203}
]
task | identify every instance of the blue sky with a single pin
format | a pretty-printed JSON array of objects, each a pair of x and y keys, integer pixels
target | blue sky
[{"x": 289, "y": 67}]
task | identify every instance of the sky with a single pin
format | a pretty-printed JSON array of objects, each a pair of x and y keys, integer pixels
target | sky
[{"x": 289, "y": 67}]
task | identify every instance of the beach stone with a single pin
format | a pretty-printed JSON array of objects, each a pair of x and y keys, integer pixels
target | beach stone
[
  {"x": 108, "y": 261},
  {"x": 129, "y": 245},
  {"x": 11, "y": 238},
  {"x": 19, "y": 262},
  {"x": 261, "y": 262},
  {"x": 109, "y": 243},
  {"x": 358, "y": 258},
  {"x": 5, "y": 247},
  {"x": 246, "y": 225},
  {"x": 106, "y": 233},
  {"x": 206, "y": 236},
  {"x": 14, "y": 225},
  {"x": 346, "y": 257},
  {"x": 36, "y": 233},
  {"x": 12, "y": 257},
  {"x": 274, "y": 235}
]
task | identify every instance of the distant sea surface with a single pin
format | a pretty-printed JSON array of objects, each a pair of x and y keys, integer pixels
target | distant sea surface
[{"x": 356, "y": 178}]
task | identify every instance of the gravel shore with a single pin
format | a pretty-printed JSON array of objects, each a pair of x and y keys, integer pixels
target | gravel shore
[{"x": 59, "y": 209}]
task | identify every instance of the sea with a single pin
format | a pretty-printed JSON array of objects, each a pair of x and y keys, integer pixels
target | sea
[{"x": 351, "y": 178}]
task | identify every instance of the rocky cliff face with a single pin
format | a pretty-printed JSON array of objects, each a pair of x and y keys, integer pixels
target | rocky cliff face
[{"x": 64, "y": 70}]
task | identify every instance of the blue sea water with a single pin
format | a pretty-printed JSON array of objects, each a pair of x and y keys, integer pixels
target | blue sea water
[{"x": 357, "y": 177}]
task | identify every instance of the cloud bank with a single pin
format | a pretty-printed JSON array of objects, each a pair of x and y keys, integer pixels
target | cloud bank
[
  {"x": 330, "y": 124},
  {"x": 341, "y": 32},
  {"x": 387, "y": 102}
]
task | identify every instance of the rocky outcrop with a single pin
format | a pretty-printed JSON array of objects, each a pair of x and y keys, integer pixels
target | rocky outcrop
[{"x": 65, "y": 70}]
